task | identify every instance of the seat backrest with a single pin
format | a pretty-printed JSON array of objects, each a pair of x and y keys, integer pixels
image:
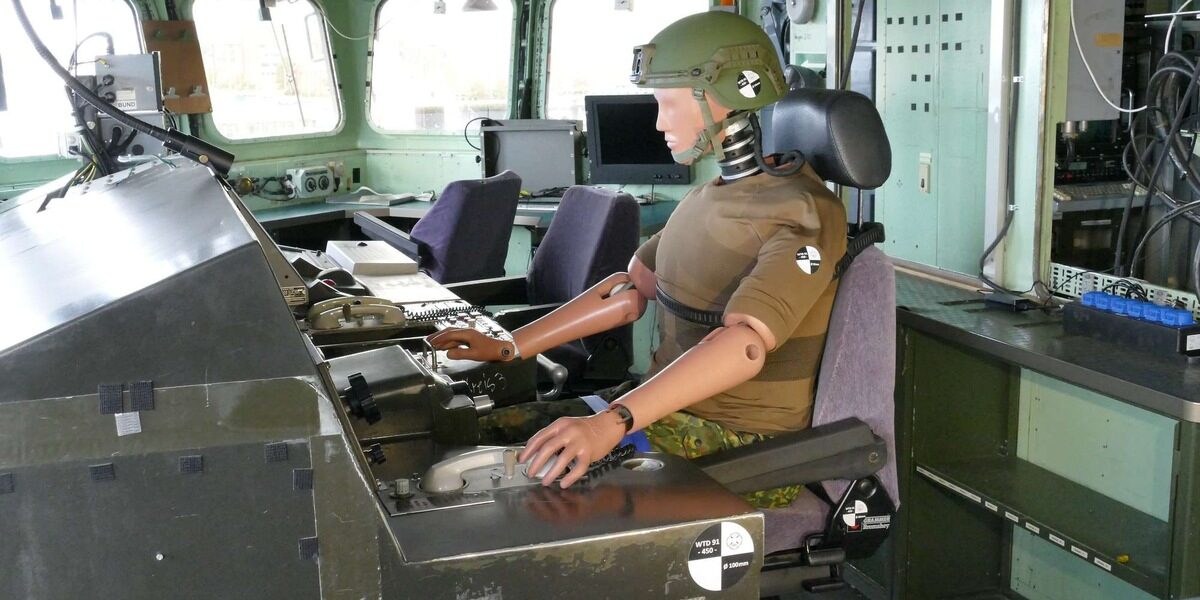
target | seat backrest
[
  {"x": 593, "y": 235},
  {"x": 858, "y": 366},
  {"x": 465, "y": 233},
  {"x": 840, "y": 133}
]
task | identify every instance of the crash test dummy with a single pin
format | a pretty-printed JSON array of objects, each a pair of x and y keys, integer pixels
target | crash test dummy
[{"x": 742, "y": 274}]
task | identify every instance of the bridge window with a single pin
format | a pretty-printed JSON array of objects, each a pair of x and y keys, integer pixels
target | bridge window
[
  {"x": 269, "y": 73},
  {"x": 583, "y": 61},
  {"x": 34, "y": 110},
  {"x": 436, "y": 64}
]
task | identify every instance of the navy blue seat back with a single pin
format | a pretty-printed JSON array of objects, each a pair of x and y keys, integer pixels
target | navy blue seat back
[
  {"x": 593, "y": 235},
  {"x": 464, "y": 236}
]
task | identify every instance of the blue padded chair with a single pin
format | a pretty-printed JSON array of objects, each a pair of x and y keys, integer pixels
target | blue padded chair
[
  {"x": 464, "y": 236},
  {"x": 466, "y": 232},
  {"x": 593, "y": 235}
]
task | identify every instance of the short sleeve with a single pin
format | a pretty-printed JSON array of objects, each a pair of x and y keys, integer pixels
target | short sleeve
[
  {"x": 647, "y": 252},
  {"x": 792, "y": 272}
]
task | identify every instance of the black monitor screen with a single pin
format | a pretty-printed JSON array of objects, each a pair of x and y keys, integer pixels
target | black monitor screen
[
  {"x": 623, "y": 144},
  {"x": 627, "y": 134}
]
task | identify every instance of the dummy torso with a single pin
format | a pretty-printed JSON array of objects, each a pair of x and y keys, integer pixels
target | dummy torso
[{"x": 734, "y": 247}]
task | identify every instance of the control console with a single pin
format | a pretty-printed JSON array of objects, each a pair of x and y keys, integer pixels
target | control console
[{"x": 478, "y": 475}]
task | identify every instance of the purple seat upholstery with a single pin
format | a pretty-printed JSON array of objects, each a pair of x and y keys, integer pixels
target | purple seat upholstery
[
  {"x": 464, "y": 236},
  {"x": 593, "y": 235},
  {"x": 857, "y": 379}
]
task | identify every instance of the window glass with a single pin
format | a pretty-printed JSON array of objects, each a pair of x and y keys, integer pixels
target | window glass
[
  {"x": 586, "y": 62},
  {"x": 436, "y": 66},
  {"x": 37, "y": 109},
  {"x": 271, "y": 77}
]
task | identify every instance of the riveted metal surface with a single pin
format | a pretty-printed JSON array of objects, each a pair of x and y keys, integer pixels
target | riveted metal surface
[{"x": 229, "y": 533}]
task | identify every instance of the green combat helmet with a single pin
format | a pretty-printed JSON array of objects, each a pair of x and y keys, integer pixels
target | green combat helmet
[{"x": 723, "y": 55}]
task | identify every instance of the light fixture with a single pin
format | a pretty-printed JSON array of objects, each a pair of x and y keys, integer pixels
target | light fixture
[{"x": 479, "y": 5}]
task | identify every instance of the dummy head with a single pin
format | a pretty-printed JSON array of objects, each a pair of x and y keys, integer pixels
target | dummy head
[
  {"x": 704, "y": 67},
  {"x": 682, "y": 122}
]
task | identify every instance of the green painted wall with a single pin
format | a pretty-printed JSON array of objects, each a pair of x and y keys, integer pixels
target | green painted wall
[
  {"x": 932, "y": 82},
  {"x": 1109, "y": 446},
  {"x": 1042, "y": 571}
]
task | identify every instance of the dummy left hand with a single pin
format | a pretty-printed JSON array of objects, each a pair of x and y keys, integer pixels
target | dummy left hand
[{"x": 579, "y": 439}]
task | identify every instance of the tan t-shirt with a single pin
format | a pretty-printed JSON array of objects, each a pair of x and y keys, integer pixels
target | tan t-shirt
[{"x": 767, "y": 247}]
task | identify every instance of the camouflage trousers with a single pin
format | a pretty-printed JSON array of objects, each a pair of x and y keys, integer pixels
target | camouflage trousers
[{"x": 678, "y": 433}]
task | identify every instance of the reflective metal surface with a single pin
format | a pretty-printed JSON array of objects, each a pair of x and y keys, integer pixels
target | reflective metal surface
[
  {"x": 149, "y": 274},
  {"x": 106, "y": 240}
]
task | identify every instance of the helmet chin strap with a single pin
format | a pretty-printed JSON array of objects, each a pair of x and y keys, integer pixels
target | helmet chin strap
[
  {"x": 740, "y": 152},
  {"x": 704, "y": 141}
]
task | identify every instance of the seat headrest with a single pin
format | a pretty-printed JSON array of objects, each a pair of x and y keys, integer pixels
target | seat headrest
[{"x": 839, "y": 132}]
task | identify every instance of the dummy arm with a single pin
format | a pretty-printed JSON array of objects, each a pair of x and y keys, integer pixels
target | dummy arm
[
  {"x": 728, "y": 356},
  {"x": 613, "y": 302}
]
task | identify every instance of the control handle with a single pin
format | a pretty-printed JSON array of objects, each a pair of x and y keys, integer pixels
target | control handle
[{"x": 558, "y": 377}]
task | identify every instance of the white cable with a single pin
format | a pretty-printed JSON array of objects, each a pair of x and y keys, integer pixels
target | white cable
[
  {"x": 1083, "y": 57},
  {"x": 1175, "y": 17},
  {"x": 355, "y": 39},
  {"x": 335, "y": 29}
]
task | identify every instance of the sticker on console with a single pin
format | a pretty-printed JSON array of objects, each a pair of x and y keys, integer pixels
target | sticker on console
[
  {"x": 126, "y": 99},
  {"x": 721, "y": 556}
]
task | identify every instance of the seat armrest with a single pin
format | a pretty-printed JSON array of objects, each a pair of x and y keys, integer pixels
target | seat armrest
[
  {"x": 377, "y": 229},
  {"x": 845, "y": 449},
  {"x": 519, "y": 317},
  {"x": 490, "y": 292}
]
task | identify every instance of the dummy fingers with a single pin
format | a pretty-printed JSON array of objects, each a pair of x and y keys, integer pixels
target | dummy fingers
[
  {"x": 579, "y": 468},
  {"x": 452, "y": 338},
  {"x": 571, "y": 453},
  {"x": 537, "y": 440},
  {"x": 547, "y": 456},
  {"x": 540, "y": 451}
]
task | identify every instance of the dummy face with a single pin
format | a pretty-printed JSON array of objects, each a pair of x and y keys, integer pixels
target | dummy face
[{"x": 680, "y": 119}]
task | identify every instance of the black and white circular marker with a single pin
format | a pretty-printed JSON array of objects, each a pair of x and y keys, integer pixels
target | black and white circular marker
[
  {"x": 808, "y": 259},
  {"x": 721, "y": 556},
  {"x": 749, "y": 84}
]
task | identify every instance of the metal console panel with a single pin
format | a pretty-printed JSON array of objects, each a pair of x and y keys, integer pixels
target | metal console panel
[
  {"x": 166, "y": 430},
  {"x": 201, "y": 502},
  {"x": 622, "y": 534},
  {"x": 149, "y": 274}
]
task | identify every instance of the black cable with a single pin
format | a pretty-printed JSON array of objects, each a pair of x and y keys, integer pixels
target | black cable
[
  {"x": 1145, "y": 213},
  {"x": 1054, "y": 290},
  {"x": 787, "y": 164},
  {"x": 477, "y": 148},
  {"x": 124, "y": 145},
  {"x": 853, "y": 46},
  {"x": 1159, "y": 224},
  {"x": 189, "y": 146},
  {"x": 75, "y": 53},
  {"x": 1176, "y": 122},
  {"x": 87, "y": 136}
]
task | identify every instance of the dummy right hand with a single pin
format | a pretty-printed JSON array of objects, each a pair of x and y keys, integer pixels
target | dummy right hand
[{"x": 470, "y": 344}]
